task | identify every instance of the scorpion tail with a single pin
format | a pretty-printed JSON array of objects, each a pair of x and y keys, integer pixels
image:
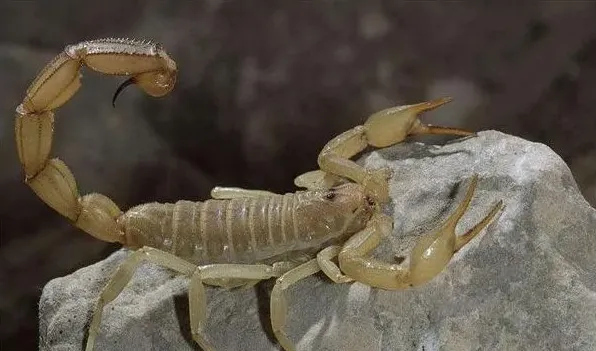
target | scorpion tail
[{"x": 51, "y": 179}]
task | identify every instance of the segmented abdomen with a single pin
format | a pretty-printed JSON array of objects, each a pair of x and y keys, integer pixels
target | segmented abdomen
[{"x": 242, "y": 230}]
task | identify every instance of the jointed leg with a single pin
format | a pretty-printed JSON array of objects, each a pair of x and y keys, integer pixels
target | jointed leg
[
  {"x": 278, "y": 269},
  {"x": 123, "y": 275},
  {"x": 329, "y": 267},
  {"x": 279, "y": 305},
  {"x": 428, "y": 258},
  {"x": 230, "y": 284},
  {"x": 217, "y": 274},
  {"x": 214, "y": 273}
]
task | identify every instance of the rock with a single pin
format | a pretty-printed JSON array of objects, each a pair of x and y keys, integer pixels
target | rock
[{"x": 526, "y": 282}]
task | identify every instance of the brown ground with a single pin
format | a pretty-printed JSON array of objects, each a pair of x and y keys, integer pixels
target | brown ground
[{"x": 261, "y": 89}]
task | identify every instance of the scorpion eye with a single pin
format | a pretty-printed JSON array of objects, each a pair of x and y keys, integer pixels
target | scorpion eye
[{"x": 330, "y": 195}]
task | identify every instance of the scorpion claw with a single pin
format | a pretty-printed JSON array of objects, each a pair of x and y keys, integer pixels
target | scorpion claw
[
  {"x": 381, "y": 129},
  {"x": 393, "y": 125},
  {"x": 429, "y": 105},
  {"x": 435, "y": 249},
  {"x": 420, "y": 128}
]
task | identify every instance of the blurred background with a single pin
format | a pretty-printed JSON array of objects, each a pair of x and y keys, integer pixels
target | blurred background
[{"x": 261, "y": 88}]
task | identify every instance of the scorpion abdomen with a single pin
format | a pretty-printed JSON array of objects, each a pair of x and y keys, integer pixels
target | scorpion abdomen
[{"x": 238, "y": 230}]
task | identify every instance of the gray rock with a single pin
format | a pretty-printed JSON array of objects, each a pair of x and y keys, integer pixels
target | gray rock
[{"x": 528, "y": 282}]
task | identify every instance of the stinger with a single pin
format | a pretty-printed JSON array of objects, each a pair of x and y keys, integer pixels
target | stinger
[{"x": 121, "y": 87}]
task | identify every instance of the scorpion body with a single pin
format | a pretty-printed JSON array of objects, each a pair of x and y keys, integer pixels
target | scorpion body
[
  {"x": 240, "y": 236},
  {"x": 249, "y": 229}
]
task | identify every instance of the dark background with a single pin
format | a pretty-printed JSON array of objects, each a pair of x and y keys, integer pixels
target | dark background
[{"x": 262, "y": 87}]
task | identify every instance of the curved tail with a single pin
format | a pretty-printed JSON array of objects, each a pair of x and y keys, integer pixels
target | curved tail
[{"x": 148, "y": 66}]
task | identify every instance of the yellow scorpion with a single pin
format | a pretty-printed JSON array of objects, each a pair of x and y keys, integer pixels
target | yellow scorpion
[{"x": 240, "y": 236}]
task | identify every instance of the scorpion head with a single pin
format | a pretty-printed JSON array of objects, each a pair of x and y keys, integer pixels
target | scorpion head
[{"x": 342, "y": 209}]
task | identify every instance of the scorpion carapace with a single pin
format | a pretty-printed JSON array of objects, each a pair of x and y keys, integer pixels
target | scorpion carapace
[{"x": 240, "y": 236}]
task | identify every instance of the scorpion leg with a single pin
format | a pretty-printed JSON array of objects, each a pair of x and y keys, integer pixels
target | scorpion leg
[
  {"x": 382, "y": 129},
  {"x": 279, "y": 304},
  {"x": 329, "y": 267},
  {"x": 224, "y": 193},
  {"x": 230, "y": 284},
  {"x": 123, "y": 275},
  {"x": 428, "y": 258},
  {"x": 216, "y": 273},
  {"x": 227, "y": 283}
]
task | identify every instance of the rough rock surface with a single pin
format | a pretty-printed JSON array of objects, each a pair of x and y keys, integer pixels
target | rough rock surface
[{"x": 527, "y": 282}]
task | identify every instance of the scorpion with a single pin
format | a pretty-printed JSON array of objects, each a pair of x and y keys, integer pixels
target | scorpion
[{"x": 240, "y": 236}]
